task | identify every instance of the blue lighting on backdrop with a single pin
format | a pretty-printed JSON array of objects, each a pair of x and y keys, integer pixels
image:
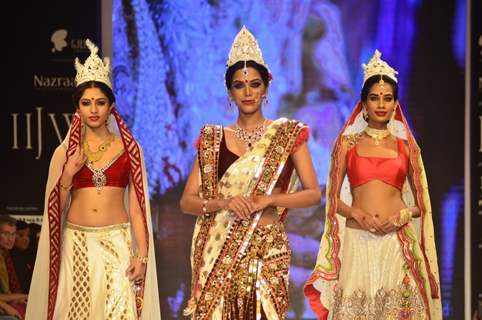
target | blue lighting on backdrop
[
  {"x": 452, "y": 212},
  {"x": 458, "y": 37}
]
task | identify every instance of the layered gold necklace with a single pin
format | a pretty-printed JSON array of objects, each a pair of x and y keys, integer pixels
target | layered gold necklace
[
  {"x": 94, "y": 156},
  {"x": 376, "y": 134}
]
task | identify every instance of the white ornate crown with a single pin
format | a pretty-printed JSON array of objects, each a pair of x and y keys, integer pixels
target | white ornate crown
[
  {"x": 377, "y": 66},
  {"x": 244, "y": 48},
  {"x": 94, "y": 69}
]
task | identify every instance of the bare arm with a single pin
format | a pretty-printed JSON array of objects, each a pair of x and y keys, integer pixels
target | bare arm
[
  {"x": 137, "y": 220},
  {"x": 393, "y": 221},
  {"x": 192, "y": 203},
  {"x": 9, "y": 310},
  {"x": 13, "y": 297},
  {"x": 137, "y": 267},
  {"x": 73, "y": 165},
  {"x": 309, "y": 196},
  {"x": 365, "y": 220}
]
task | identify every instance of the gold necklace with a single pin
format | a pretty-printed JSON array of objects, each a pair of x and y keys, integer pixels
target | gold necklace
[
  {"x": 377, "y": 135},
  {"x": 94, "y": 156}
]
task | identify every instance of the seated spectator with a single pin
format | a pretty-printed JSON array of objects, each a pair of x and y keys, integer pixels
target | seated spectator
[
  {"x": 9, "y": 282},
  {"x": 22, "y": 256}
]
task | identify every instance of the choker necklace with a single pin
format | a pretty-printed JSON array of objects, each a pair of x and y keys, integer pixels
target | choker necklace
[
  {"x": 377, "y": 135},
  {"x": 94, "y": 156},
  {"x": 250, "y": 137}
]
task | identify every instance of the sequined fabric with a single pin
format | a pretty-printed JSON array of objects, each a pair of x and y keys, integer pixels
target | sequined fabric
[
  {"x": 92, "y": 283},
  {"x": 259, "y": 287},
  {"x": 375, "y": 282}
]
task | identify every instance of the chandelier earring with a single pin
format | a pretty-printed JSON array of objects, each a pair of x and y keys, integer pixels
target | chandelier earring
[
  {"x": 365, "y": 113},
  {"x": 265, "y": 100}
]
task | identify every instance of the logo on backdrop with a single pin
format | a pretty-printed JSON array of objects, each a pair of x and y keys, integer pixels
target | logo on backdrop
[
  {"x": 61, "y": 42},
  {"x": 44, "y": 82},
  {"x": 58, "y": 39}
]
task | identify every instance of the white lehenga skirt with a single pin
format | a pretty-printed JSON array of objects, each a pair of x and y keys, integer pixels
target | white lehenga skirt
[
  {"x": 375, "y": 282},
  {"x": 92, "y": 281}
]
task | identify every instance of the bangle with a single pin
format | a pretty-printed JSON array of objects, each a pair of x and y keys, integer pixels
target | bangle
[
  {"x": 142, "y": 259},
  {"x": 66, "y": 188},
  {"x": 405, "y": 217},
  {"x": 205, "y": 203}
]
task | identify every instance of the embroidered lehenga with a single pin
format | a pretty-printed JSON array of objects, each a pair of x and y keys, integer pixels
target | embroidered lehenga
[
  {"x": 361, "y": 275},
  {"x": 80, "y": 271},
  {"x": 240, "y": 269}
]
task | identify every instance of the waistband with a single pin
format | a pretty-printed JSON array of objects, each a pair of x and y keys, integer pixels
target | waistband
[
  {"x": 89, "y": 229},
  {"x": 367, "y": 234}
]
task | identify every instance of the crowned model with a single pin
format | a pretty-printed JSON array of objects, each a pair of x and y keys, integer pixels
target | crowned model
[
  {"x": 377, "y": 256},
  {"x": 96, "y": 257},
  {"x": 241, "y": 185}
]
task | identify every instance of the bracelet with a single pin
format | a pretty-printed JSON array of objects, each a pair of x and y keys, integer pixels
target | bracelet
[
  {"x": 66, "y": 188},
  {"x": 205, "y": 203},
  {"x": 404, "y": 217},
  {"x": 142, "y": 259}
]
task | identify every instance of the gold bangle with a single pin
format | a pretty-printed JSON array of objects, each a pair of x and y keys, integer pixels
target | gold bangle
[
  {"x": 404, "y": 217},
  {"x": 66, "y": 188},
  {"x": 205, "y": 203},
  {"x": 142, "y": 259}
]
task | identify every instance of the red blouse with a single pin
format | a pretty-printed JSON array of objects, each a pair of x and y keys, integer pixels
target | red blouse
[
  {"x": 393, "y": 171},
  {"x": 117, "y": 174}
]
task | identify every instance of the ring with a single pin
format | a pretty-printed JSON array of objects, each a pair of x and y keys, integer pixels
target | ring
[{"x": 372, "y": 230}]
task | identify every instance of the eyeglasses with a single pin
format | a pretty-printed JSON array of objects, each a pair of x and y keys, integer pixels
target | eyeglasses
[{"x": 8, "y": 234}]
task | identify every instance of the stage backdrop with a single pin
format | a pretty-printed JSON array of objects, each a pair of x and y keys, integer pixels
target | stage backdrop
[
  {"x": 42, "y": 41},
  {"x": 169, "y": 61}
]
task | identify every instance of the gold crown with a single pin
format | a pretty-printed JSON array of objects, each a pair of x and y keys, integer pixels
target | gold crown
[
  {"x": 244, "y": 48},
  {"x": 93, "y": 69},
  {"x": 377, "y": 66}
]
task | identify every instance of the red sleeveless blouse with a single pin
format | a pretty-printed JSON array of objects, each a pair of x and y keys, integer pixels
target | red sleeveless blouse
[
  {"x": 392, "y": 171},
  {"x": 116, "y": 171}
]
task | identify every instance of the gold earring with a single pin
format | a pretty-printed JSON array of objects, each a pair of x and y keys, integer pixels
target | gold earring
[{"x": 365, "y": 113}]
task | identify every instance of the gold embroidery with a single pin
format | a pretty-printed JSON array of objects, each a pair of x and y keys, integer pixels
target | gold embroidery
[
  {"x": 79, "y": 307},
  {"x": 119, "y": 293},
  {"x": 402, "y": 303},
  {"x": 208, "y": 156},
  {"x": 351, "y": 139},
  {"x": 237, "y": 237},
  {"x": 259, "y": 268}
]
